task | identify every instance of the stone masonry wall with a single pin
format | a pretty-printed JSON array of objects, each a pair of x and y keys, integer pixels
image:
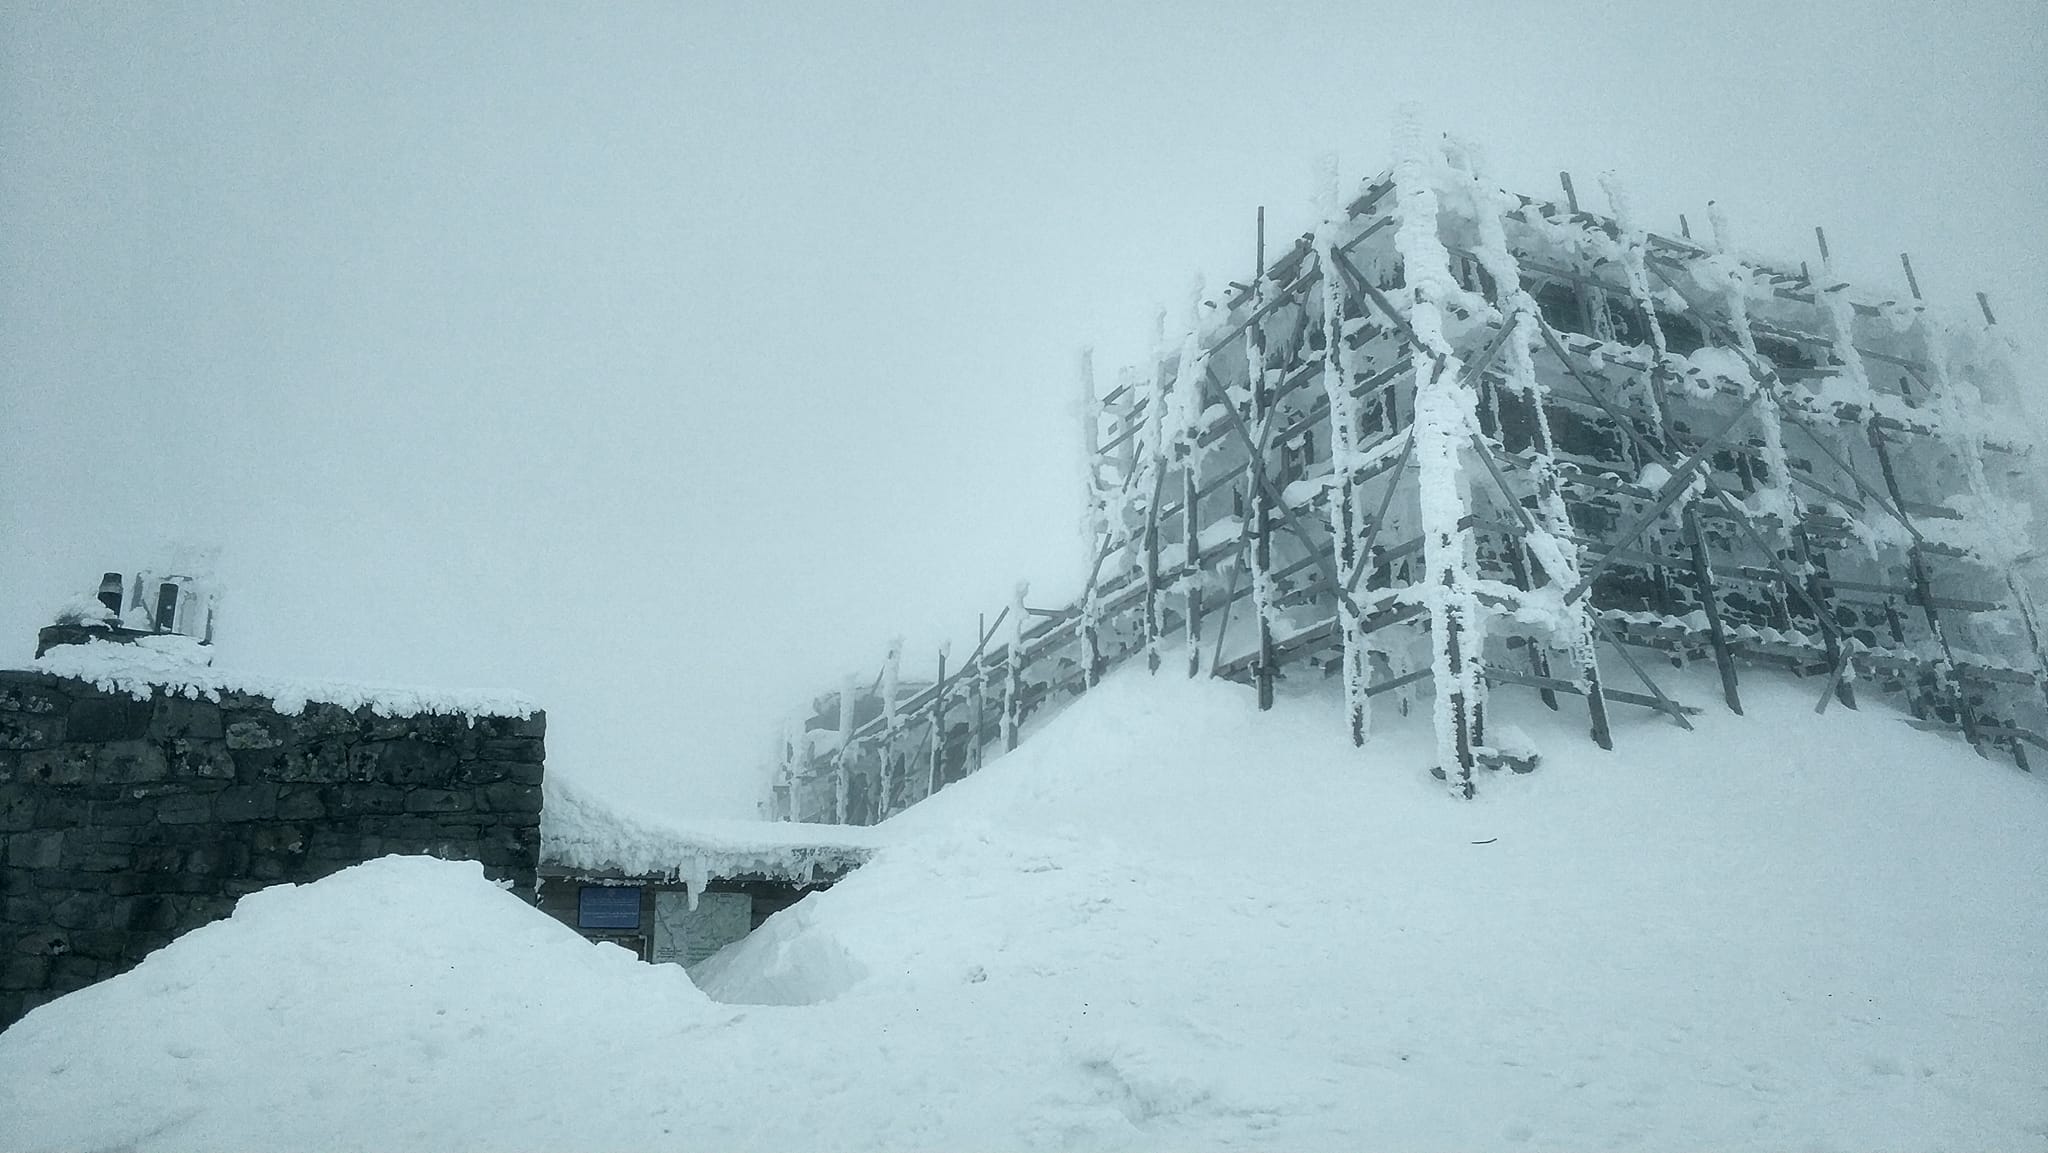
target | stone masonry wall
[{"x": 126, "y": 822}]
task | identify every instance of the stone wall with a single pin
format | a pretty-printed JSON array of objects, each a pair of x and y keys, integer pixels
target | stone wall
[{"x": 126, "y": 822}]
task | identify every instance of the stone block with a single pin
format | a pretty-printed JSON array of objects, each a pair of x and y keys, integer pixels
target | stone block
[
  {"x": 25, "y": 910},
  {"x": 205, "y": 759},
  {"x": 130, "y": 762},
  {"x": 408, "y": 834},
  {"x": 37, "y": 693},
  {"x": 104, "y": 944},
  {"x": 82, "y": 911},
  {"x": 523, "y": 749},
  {"x": 113, "y": 718},
  {"x": 183, "y": 717},
  {"x": 534, "y": 727},
  {"x": 222, "y": 859},
  {"x": 512, "y": 797},
  {"x": 246, "y": 803},
  {"x": 186, "y": 809},
  {"x": 289, "y": 840},
  {"x": 149, "y": 913},
  {"x": 407, "y": 761},
  {"x": 69, "y": 974},
  {"x": 98, "y": 856},
  {"x": 69, "y": 764},
  {"x": 35, "y": 850},
  {"x": 255, "y": 731},
  {"x": 109, "y": 815},
  {"x": 300, "y": 803},
  {"x": 322, "y": 721},
  {"x": 367, "y": 800},
  {"x": 43, "y": 943},
  {"x": 324, "y": 760},
  {"x": 260, "y": 764},
  {"x": 17, "y": 809},
  {"x": 23, "y": 731},
  {"x": 438, "y": 801},
  {"x": 62, "y": 811},
  {"x": 174, "y": 718},
  {"x": 19, "y": 972}
]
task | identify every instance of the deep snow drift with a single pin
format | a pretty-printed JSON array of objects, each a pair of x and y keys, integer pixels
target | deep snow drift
[{"x": 1169, "y": 922}]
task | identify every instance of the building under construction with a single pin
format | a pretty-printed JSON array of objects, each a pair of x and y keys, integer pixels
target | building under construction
[{"x": 1456, "y": 441}]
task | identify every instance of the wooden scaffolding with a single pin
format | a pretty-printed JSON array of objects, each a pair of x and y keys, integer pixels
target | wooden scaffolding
[{"x": 1454, "y": 439}]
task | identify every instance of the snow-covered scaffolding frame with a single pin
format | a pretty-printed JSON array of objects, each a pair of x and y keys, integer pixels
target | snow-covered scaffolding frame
[{"x": 1455, "y": 438}]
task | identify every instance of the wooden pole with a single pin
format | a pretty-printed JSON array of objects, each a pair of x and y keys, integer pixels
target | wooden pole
[
  {"x": 977, "y": 692},
  {"x": 1191, "y": 574},
  {"x": 1710, "y": 603},
  {"x": 938, "y": 762},
  {"x": 1261, "y": 504},
  {"x": 1013, "y": 689}
]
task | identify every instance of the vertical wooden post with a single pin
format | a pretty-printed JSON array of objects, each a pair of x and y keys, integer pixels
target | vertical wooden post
[
  {"x": 1153, "y": 626},
  {"x": 1710, "y": 603},
  {"x": 938, "y": 762},
  {"x": 1013, "y": 692},
  {"x": 846, "y": 701},
  {"x": 1261, "y": 504},
  {"x": 977, "y": 693},
  {"x": 1191, "y": 571}
]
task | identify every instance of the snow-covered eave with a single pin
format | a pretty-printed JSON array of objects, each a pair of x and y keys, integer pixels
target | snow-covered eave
[
  {"x": 583, "y": 835},
  {"x": 143, "y": 672}
]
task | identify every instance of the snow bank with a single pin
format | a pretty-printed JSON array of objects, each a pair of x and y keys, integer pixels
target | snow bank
[
  {"x": 142, "y": 669},
  {"x": 579, "y": 831},
  {"x": 406, "y": 1003},
  {"x": 1170, "y": 921}
]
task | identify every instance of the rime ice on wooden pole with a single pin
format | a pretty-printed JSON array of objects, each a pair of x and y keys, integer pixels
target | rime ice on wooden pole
[
  {"x": 1263, "y": 591},
  {"x": 1013, "y": 692},
  {"x": 1445, "y": 407},
  {"x": 847, "y": 688}
]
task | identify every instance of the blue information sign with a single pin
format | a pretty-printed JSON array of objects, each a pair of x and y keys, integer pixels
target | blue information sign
[{"x": 608, "y": 907}]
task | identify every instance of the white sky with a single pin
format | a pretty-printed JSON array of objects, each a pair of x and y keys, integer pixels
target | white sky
[{"x": 663, "y": 360}]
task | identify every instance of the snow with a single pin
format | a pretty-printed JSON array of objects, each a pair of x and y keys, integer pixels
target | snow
[
  {"x": 581, "y": 831},
  {"x": 174, "y": 664},
  {"x": 1172, "y": 921}
]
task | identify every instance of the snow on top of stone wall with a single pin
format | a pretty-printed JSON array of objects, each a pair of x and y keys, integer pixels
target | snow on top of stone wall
[
  {"x": 579, "y": 831},
  {"x": 155, "y": 664}
]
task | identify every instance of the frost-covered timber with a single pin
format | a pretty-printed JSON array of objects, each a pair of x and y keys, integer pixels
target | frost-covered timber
[{"x": 1456, "y": 438}]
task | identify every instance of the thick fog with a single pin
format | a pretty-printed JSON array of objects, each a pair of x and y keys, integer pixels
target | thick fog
[{"x": 663, "y": 361}]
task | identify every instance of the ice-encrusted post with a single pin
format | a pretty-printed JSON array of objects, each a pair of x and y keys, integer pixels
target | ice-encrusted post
[
  {"x": 1098, "y": 518},
  {"x": 892, "y": 670},
  {"x": 1841, "y": 335},
  {"x": 847, "y": 688},
  {"x": 977, "y": 693},
  {"x": 1263, "y": 592},
  {"x": 1013, "y": 694},
  {"x": 938, "y": 761},
  {"x": 1339, "y": 376},
  {"x": 1445, "y": 408},
  {"x": 1188, "y": 395},
  {"x": 1154, "y": 481}
]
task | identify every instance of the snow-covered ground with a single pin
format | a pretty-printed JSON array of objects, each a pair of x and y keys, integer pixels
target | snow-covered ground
[{"x": 1171, "y": 922}]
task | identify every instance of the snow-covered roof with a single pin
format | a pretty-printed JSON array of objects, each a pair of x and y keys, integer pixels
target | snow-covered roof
[
  {"x": 580, "y": 832},
  {"x": 167, "y": 664}
]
